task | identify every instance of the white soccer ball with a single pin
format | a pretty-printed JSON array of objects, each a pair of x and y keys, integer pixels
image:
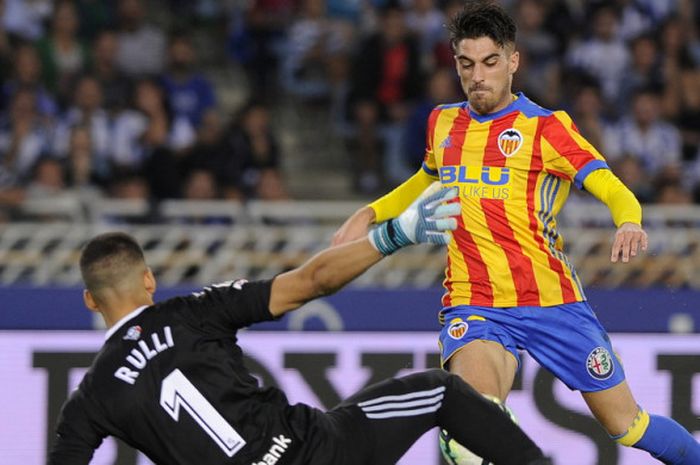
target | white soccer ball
[{"x": 456, "y": 454}]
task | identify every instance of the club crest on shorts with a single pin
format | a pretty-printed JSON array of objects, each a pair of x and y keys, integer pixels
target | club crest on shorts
[
  {"x": 457, "y": 328},
  {"x": 509, "y": 142},
  {"x": 600, "y": 363},
  {"x": 133, "y": 333}
]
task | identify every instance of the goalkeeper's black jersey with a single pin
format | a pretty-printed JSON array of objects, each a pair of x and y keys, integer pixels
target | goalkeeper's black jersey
[{"x": 170, "y": 381}]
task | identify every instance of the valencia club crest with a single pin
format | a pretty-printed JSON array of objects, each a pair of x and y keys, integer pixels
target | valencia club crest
[{"x": 510, "y": 141}]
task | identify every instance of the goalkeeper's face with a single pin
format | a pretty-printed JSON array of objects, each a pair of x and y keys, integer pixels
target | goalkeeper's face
[{"x": 486, "y": 72}]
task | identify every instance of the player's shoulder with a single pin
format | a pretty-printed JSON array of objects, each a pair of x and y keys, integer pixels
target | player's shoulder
[
  {"x": 444, "y": 108},
  {"x": 230, "y": 285},
  {"x": 448, "y": 106},
  {"x": 234, "y": 295},
  {"x": 531, "y": 109},
  {"x": 95, "y": 381},
  {"x": 186, "y": 303},
  {"x": 553, "y": 120}
]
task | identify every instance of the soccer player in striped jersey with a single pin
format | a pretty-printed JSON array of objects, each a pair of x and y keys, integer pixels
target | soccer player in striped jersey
[
  {"x": 170, "y": 379},
  {"x": 508, "y": 284}
]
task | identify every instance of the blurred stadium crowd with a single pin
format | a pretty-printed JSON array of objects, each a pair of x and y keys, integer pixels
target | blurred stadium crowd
[{"x": 118, "y": 98}]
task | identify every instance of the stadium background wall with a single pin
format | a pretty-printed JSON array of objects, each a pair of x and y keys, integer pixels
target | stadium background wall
[
  {"x": 640, "y": 310},
  {"x": 40, "y": 369}
]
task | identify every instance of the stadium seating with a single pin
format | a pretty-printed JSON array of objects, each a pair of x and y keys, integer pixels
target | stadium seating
[{"x": 197, "y": 242}]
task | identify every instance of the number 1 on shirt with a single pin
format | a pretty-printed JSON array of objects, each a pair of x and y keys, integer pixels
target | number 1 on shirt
[{"x": 177, "y": 391}]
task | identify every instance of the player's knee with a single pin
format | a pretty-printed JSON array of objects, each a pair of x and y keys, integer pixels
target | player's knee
[{"x": 635, "y": 431}]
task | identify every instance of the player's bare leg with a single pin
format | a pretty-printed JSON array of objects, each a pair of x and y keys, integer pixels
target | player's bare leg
[
  {"x": 487, "y": 366},
  {"x": 662, "y": 437},
  {"x": 614, "y": 408}
]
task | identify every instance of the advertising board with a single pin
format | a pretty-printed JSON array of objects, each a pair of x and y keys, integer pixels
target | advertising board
[{"x": 39, "y": 369}]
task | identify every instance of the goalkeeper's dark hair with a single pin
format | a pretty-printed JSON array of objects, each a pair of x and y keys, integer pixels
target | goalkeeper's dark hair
[
  {"x": 109, "y": 258},
  {"x": 482, "y": 18}
]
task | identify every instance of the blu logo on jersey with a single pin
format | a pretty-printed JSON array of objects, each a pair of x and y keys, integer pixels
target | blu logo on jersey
[
  {"x": 483, "y": 182},
  {"x": 489, "y": 175}
]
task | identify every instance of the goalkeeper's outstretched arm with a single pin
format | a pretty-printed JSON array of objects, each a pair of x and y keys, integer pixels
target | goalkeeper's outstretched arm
[
  {"x": 384, "y": 208},
  {"x": 425, "y": 221}
]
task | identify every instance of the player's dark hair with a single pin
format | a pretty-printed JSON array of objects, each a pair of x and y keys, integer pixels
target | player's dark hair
[
  {"x": 107, "y": 258},
  {"x": 482, "y": 18}
]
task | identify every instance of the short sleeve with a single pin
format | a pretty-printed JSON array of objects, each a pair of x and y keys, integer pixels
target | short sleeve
[
  {"x": 565, "y": 152},
  {"x": 233, "y": 304}
]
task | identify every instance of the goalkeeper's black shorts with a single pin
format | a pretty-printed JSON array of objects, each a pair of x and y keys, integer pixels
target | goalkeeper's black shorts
[{"x": 380, "y": 423}]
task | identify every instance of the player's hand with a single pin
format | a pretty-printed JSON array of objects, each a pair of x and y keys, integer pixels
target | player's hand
[
  {"x": 629, "y": 239},
  {"x": 426, "y": 220},
  {"x": 354, "y": 227},
  {"x": 429, "y": 216}
]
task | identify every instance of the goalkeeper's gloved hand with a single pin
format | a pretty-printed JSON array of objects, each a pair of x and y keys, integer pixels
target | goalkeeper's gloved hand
[{"x": 424, "y": 221}]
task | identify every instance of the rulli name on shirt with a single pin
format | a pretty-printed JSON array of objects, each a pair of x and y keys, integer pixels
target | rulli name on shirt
[{"x": 145, "y": 350}]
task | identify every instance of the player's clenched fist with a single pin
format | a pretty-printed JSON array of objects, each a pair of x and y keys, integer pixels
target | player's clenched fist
[{"x": 629, "y": 239}]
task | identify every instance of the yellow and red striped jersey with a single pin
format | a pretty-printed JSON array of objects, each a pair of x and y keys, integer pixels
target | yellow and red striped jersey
[{"x": 514, "y": 169}]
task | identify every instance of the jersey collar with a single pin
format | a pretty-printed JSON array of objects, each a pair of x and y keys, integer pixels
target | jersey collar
[
  {"x": 123, "y": 321},
  {"x": 515, "y": 105}
]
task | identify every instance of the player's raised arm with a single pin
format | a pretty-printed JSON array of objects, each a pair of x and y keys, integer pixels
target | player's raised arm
[
  {"x": 626, "y": 211},
  {"x": 382, "y": 209},
  {"x": 425, "y": 221}
]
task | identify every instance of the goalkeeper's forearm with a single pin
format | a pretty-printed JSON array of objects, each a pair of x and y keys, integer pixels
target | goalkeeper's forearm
[
  {"x": 425, "y": 221},
  {"x": 392, "y": 204},
  {"x": 321, "y": 275},
  {"x": 606, "y": 187}
]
